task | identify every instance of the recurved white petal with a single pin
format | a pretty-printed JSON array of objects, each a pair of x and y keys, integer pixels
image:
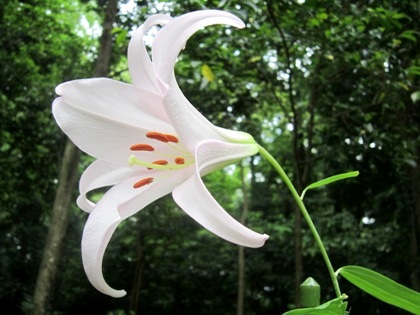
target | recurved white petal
[
  {"x": 192, "y": 127},
  {"x": 97, "y": 233},
  {"x": 100, "y": 174},
  {"x": 140, "y": 66},
  {"x": 193, "y": 197},
  {"x": 120, "y": 202},
  {"x": 172, "y": 38}
]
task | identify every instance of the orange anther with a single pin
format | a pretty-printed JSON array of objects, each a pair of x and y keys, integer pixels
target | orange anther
[
  {"x": 157, "y": 136},
  {"x": 158, "y": 162},
  {"x": 143, "y": 182},
  {"x": 171, "y": 138},
  {"x": 141, "y": 147},
  {"x": 179, "y": 160}
]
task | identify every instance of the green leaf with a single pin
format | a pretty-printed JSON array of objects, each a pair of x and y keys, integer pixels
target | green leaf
[
  {"x": 207, "y": 73},
  {"x": 332, "y": 307},
  {"x": 410, "y": 35},
  {"x": 413, "y": 70},
  {"x": 329, "y": 180},
  {"x": 399, "y": 15},
  {"x": 382, "y": 288}
]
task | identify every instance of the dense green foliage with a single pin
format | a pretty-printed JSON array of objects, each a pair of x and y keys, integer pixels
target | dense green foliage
[
  {"x": 38, "y": 49},
  {"x": 326, "y": 86}
]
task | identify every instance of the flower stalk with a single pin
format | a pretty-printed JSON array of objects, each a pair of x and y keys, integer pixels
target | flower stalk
[{"x": 264, "y": 153}]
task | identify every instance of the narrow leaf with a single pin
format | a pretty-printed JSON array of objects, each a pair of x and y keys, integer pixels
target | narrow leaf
[
  {"x": 329, "y": 180},
  {"x": 410, "y": 35},
  {"x": 382, "y": 288},
  {"x": 413, "y": 70},
  {"x": 332, "y": 307}
]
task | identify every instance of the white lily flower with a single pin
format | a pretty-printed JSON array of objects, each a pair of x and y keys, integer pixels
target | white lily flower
[{"x": 149, "y": 141}]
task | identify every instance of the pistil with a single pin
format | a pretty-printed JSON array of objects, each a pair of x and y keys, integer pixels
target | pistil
[{"x": 132, "y": 160}]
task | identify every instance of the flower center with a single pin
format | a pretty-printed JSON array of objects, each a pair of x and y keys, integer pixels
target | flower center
[{"x": 176, "y": 156}]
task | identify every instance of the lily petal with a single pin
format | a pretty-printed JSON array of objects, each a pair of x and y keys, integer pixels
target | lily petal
[
  {"x": 141, "y": 68},
  {"x": 97, "y": 233},
  {"x": 166, "y": 47},
  {"x": 99, "y": 174},
  {"x": 193, "y": 197},
  {"x": 120, "y": 202},
  {"x": 172, "y": 38},
  {"x": 112, "y": 98},
  {"x": 109, "y": 139},
  {"x": 192, "y": 127}
]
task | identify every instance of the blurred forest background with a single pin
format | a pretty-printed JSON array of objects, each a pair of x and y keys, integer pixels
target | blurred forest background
[{"x": 326, "y": 86}]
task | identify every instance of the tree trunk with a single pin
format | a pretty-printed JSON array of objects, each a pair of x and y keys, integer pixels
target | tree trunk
[
  {"x": 241, "y": 281},
  {"x": 105, "y": 50},
  {"x": 138, "y": 274},
  {"x": 415, "y": 226},
  {"x": 66, "y": 184},
  {"x": 296, "y": 115},
  {"x": 58, "y": 225},
  {"x": 240, "y": 304},
  {"x": 275, "y": 16}
]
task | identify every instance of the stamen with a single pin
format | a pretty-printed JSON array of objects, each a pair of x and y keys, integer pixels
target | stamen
[
  {"x": 158, "y": 162},
  {"x": 157, "y": 136},
  {"x": 142, "y": 147},
  {"x": 143, "y": 182},
  {"x": 132, "y": 160},
  {"x": 179, "y": 160},
  {"x": 171, "y": 138}
]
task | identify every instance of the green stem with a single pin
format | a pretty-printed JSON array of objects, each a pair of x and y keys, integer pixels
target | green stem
[{"x": 305, "y": 214}]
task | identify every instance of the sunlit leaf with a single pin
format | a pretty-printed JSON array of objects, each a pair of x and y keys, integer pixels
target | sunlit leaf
[
  {"x": 382, "y": 288},
  {"x": 329, "y": 180},
  {"x": 207, "y": 73}
]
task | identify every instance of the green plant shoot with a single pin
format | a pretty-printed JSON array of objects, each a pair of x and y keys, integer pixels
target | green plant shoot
[{"x": 329, "y": 180}]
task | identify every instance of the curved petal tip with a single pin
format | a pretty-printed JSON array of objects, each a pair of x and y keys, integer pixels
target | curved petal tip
[
  {"x": 172, "y": 38},
  {"x": 264, "y": 238},
  {"x": 117, "y": 293},
  {"x": 194, "y": 198}
]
